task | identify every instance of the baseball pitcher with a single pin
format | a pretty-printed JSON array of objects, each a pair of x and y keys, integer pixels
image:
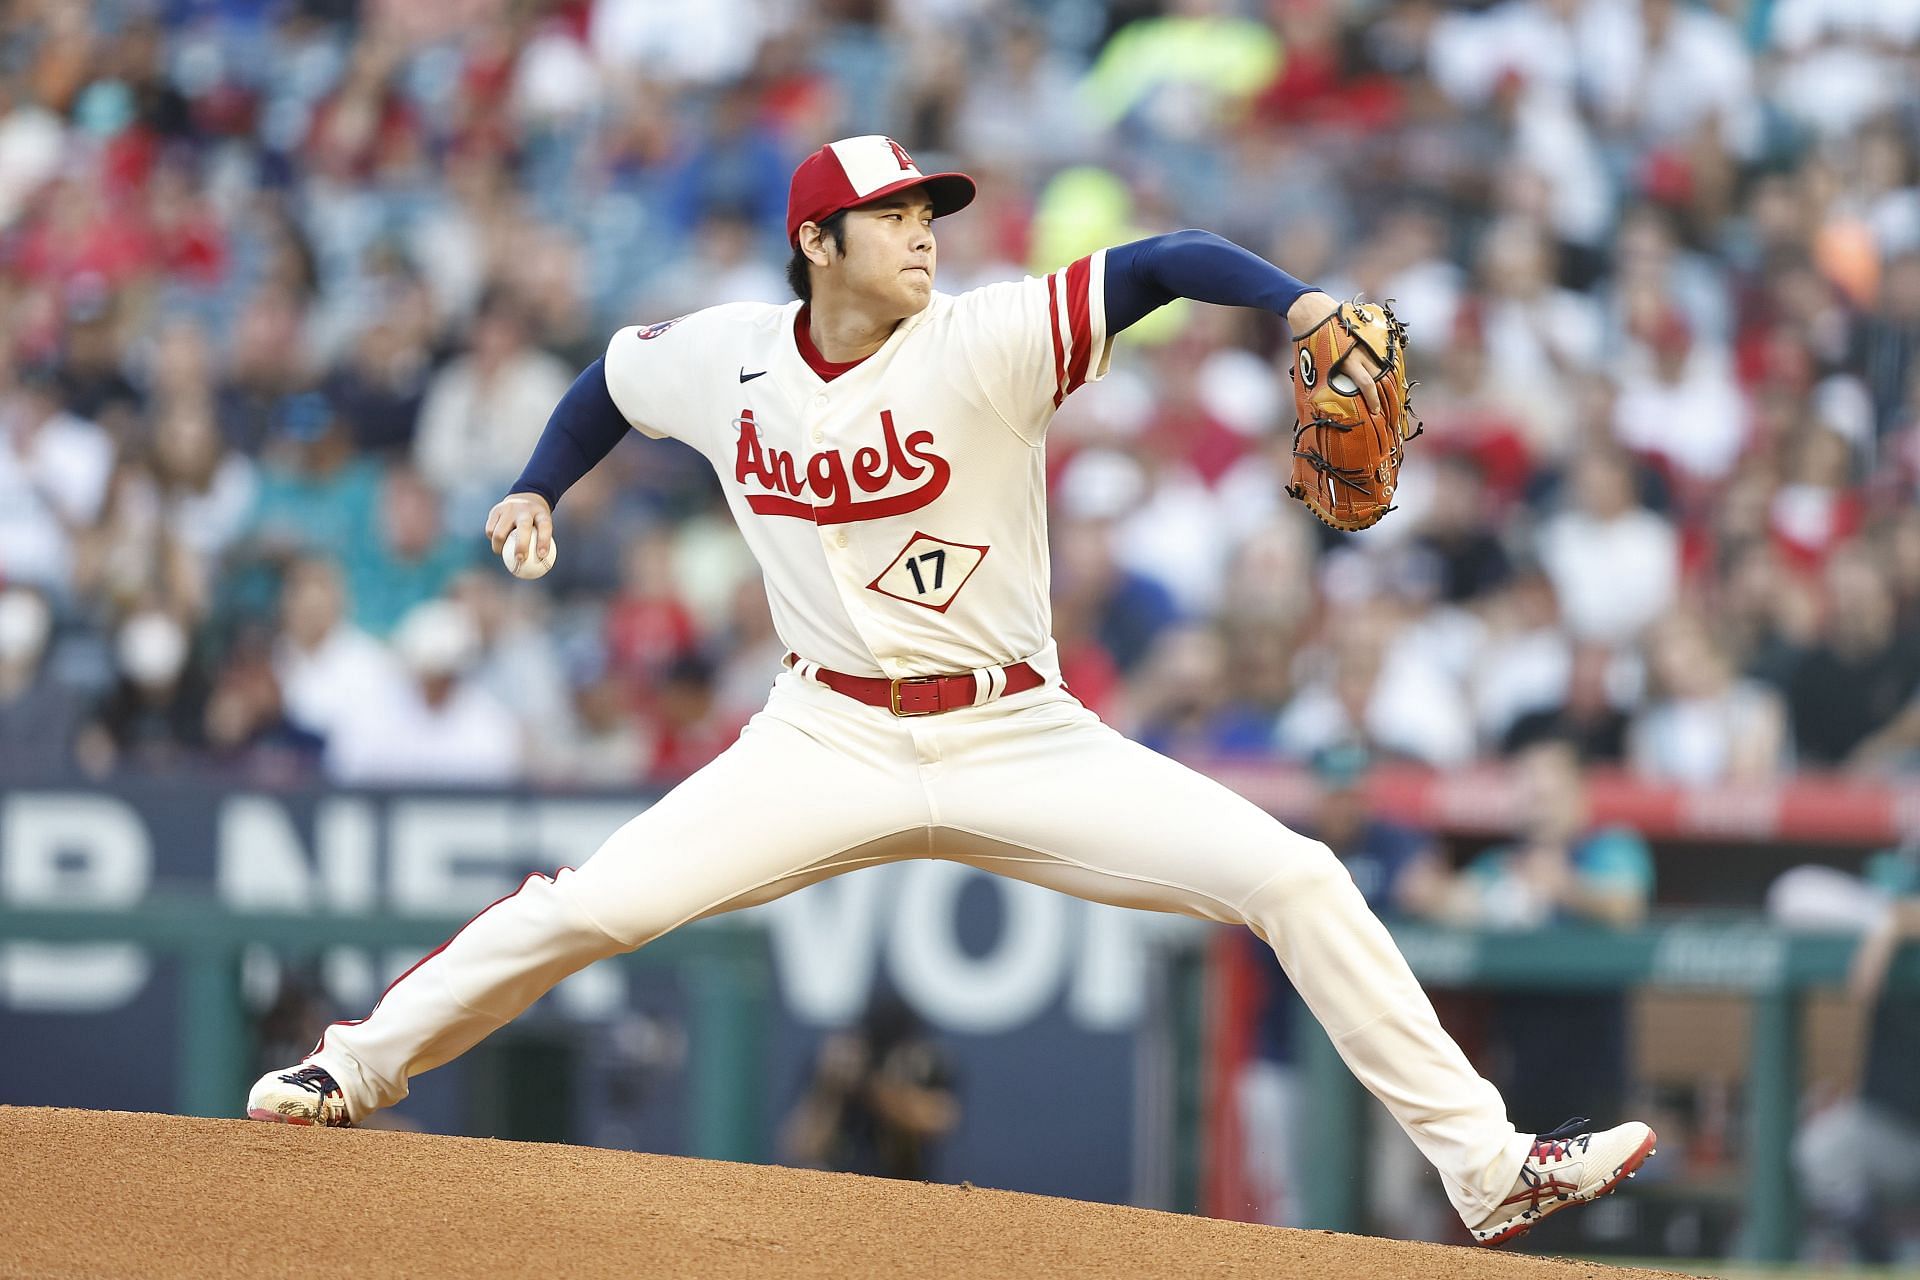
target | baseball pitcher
[{"x": 882, "y": 447}]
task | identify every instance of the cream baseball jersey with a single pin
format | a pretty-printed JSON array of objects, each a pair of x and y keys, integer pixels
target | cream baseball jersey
[{"x": 898, "y": 512}]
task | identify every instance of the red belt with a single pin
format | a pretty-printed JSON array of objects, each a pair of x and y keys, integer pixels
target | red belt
[{"x": 920, "y": 695}]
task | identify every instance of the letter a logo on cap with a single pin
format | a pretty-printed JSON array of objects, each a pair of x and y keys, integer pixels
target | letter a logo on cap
[
  {"x": 873, "y": 163},
  {"x": 857, "y": 171}
]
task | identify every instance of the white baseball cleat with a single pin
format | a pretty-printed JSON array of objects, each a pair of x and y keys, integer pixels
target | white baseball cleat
[
  {"x": 1568, "y": 1166},
  {"x": 299, "y": 1095}
]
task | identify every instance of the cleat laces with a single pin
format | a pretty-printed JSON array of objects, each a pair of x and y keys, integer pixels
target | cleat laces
[
  {"x": 1555, "y": 1144},
  {"x": 312, "y": 1079}
]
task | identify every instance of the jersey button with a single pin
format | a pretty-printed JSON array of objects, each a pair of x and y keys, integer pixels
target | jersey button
[
  {"x": 840, "y": 539},
  {"x": 818, "y": 435},
  {"x": 820, "y": 400}
]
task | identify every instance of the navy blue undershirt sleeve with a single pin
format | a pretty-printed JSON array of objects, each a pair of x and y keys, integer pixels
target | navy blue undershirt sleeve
[
  {"x": 1148, "y": 274},
  {"x": 585, "y": 426}
]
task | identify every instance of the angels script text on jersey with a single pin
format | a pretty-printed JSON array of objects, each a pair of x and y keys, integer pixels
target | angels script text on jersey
[{"x": 827, "y": 479}]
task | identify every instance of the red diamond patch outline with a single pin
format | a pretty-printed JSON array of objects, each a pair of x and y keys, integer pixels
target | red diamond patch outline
[{"x": 898, "y": 580}]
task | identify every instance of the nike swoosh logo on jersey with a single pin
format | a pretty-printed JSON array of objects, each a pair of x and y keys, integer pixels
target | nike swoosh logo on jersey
[{"x": 749, "y": 377}]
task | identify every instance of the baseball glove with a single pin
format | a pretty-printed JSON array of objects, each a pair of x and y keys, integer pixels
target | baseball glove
[{"x": 1346, "y": 456}]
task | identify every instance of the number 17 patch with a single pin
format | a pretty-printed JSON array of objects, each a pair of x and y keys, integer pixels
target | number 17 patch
[{"x": 929, "y": 572}]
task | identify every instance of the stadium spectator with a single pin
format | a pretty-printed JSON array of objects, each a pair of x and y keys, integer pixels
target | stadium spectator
[
  {"x": 1591, "y": 711},
  {"x": 1525, "y": 660},
  {"x": 38, "y": 715},
  {"x": 731, "y": 160},
  {"x": 1838, "y": 59},
  {"x": 705, "y": 45},
  {"x": 1087, "y": 663},
  {"x": 381, "y": 382},
  {"x": 1859, "y": 673},
  {"x": 1406, "y": 708},
  {"x": 54, "y": 472},
  {"x": 684, "y": 723},
  {"x": 1817, "y": 507},
  {"x": 327, "y": 669},
  {"x": 1664, "y": 70},
  {"x": 1184, "y": 701},
  {"x": 600, "y": 742},
  {"x": 750, "y": 647},
  {"x": 316, "y": 494},
  {"x": 1858, "y": 1156},
  {"x": 1886, "y": 344},
  {"x": 32, "y": 138},
  {"x": 129, "y": 555},
  {"x": 1469, "y": 562},
  {"x": 1540, "y": 337},
  {"x": 602, "y": 516},
  {"x": 249, "y": 730},
  {"x": 1172, "y": 74},
  {"x": 1704, "y": 724},
  {"x": 880, "y": 1099},
  {"x": 437, "y": 726},
  {"x": 263, "y": 368},
  {"x": 201, "y": 494},
  {"x": 1676, "y": 378},
  {"x": 1614, "y": 564},
  {"x": 721, "y": 265},
  {"x": 92, "y": 384},
  {"x": 1025, "y": 80},
  {"x": 152, "y": 720},
  {"x": 411, "y": 555},
  {"x": 1126, "y": 609},
  {"x": 484, "y": 410},
  {"x": 1560, "y": 869},
  {"x": 648, "y": 624},
  {"x": 1467, "y": 409},
  {"x": 518, "y": 664}
]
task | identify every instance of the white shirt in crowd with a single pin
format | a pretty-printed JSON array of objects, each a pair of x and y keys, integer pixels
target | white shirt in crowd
[
  {"x": 707, "y": 43},
  {"x": 207, "y": 522},
  {"x": 1838, "y": 63},
  {"x": 1413, "y": 710},
  {"x": 469, "y": 739},
  {"x": 474, "y": 436},
  {"x": 1700, "y": 70},
  {"x": 1695, "y": 741},
  {"x": 340, "y": 678},
  {"x": 51, "y": 480},
  {"x": 1612, "y": 577},
  {"x": 1698, "y": 422}
]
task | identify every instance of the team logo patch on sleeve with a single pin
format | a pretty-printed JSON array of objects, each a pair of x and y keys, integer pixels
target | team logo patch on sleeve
[
  {"x": 929, "y": 572},
  {"x": 655, "y": 330}
]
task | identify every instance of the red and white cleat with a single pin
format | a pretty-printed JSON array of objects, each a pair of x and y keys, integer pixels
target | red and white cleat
[
  {"x": 1568, "y": 1166},
  {"x": 298, "y": 1095}
]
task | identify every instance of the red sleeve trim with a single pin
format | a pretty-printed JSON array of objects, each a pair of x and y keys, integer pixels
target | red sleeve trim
[
  {"x": 1059, "y": 350},
  {"x": 1080, "y": 323}
]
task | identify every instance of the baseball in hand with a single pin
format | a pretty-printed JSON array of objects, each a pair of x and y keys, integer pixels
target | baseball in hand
[{"x": 525, "y": 566}]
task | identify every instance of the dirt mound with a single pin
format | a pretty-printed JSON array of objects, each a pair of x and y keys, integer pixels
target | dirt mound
[{"x": 93, "y": 1193}]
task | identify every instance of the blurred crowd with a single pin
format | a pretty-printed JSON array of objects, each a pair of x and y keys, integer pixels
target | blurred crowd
[{"x": 290, "y": 287}]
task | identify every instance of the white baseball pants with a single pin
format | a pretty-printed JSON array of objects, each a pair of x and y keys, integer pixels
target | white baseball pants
[{"x": 1032, "y": 786}]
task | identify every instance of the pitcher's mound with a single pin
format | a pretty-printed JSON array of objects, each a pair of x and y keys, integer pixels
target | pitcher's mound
[{"x": 107, "y": 1193}]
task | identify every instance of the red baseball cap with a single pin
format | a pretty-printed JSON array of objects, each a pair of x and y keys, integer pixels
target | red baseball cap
[{"x": 857, "y": 171}]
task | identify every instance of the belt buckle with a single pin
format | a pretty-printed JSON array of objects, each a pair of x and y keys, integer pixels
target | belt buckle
[{"x": 893, "y": 696}]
